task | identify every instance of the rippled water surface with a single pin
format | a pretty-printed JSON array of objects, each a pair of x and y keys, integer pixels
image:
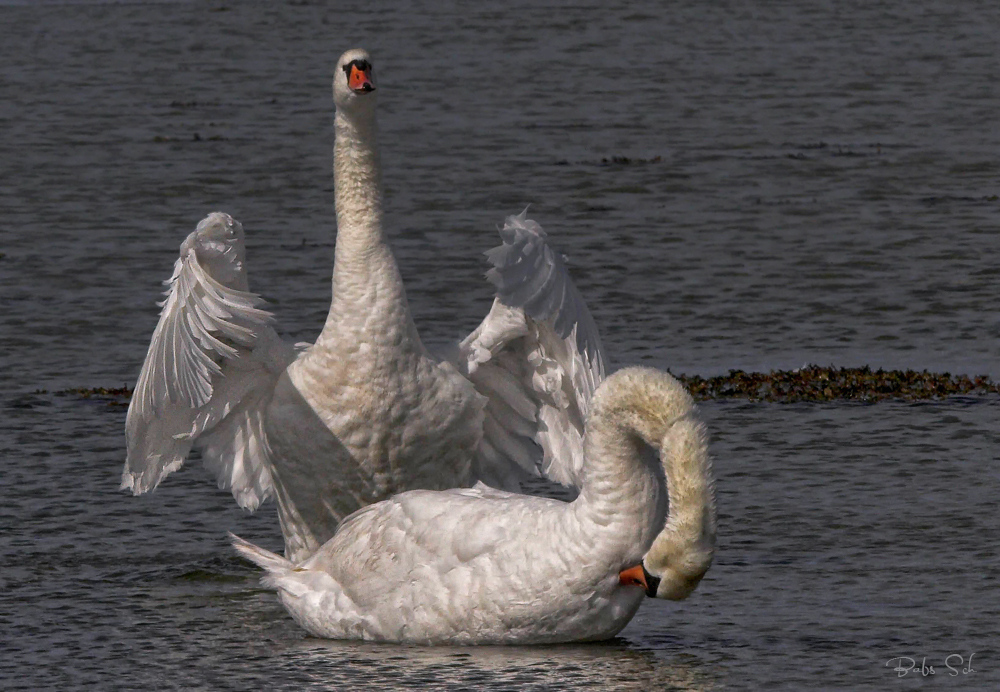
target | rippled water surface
[{"x": 734, "y": 188}]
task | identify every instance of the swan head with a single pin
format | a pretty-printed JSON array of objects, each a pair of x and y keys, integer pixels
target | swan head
[
  {"x": 672, "y": 575},
  {"x": 354, "y": 81}
]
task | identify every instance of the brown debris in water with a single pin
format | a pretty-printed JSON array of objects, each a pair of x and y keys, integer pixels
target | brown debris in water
[
  {"x": 810, "y": 383},
  {"x": 816, "y": 383},
  {"x": 115, "y": 396}
]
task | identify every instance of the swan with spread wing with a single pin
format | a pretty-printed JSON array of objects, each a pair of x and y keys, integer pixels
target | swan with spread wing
[
  {"x": 366, "y": 411},
  {"x": 484, "y": 566}
]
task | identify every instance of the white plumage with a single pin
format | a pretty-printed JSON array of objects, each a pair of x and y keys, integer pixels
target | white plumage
[
  {"x": 210, "y": 359},
  {"x": 366, "y": 411},
  {"x": 483, "y": 566}
]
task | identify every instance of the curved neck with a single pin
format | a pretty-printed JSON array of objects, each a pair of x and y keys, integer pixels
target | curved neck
[
  {"x": 687, "y": 541},
  {"x": 366, "y": 278},
  {"x": 635, "y": 413}
]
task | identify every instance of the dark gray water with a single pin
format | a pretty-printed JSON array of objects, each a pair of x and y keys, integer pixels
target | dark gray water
[{"x": 802, "y": 184}]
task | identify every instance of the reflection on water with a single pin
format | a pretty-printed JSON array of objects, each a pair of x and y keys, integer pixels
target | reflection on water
[{"x": 611, "y": 665}]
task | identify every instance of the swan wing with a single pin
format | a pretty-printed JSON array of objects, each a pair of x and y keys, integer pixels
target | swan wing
[
  {"x": 211, "y": 366},
  {"x": 537, "y": 358}
]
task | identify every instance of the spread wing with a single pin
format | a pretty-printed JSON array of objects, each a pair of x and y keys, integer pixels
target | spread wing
[
  {"x": 537, "y": 358},
  {"x": 209, "y": 372}
]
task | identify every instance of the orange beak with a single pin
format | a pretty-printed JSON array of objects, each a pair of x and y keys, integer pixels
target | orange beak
[
  {"x": 360, "y": 80},
  {"x": 633, "y": 576}
]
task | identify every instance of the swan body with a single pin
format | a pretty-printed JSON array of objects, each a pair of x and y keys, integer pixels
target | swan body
[
  {"x": 366, "y": 411},
  {"x": 484, "y": 566}
]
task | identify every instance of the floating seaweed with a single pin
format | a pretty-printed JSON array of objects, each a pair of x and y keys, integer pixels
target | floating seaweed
[
  {"x": 817, "y": 383},
  {"x": 114, "y": 396},
  {"x": 809, "y": 383},
  {"x": 627, "y": 161}
]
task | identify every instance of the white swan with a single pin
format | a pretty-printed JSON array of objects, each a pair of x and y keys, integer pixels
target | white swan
[
  {"x": 366, "y": 411},
  {"x": 482, "y": 566}
]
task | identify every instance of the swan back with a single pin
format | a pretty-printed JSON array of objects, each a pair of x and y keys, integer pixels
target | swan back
[{"x": 469, "y": 566}]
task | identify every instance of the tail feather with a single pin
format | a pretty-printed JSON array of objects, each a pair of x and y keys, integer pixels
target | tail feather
[
  {"x": 273, "y": 563},
  {"x": 283, "y": 575}
]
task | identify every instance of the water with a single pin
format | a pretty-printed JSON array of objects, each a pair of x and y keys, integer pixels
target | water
[{"x": 803, "y": 184}]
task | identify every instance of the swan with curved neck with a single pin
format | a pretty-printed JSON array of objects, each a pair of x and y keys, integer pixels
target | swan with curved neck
[
  {"x": 482, "y": 566},
  {"x": 366, "y": 411}
]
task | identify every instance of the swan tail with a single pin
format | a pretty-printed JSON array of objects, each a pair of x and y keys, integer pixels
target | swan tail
[
  {"x": 283, "y": 575},
  {"x": 275, "y": 565}
]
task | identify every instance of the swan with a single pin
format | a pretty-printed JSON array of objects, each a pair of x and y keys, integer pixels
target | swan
[
  {"x": 366, "y": 411},
  {"x": 484, "y": 566}
]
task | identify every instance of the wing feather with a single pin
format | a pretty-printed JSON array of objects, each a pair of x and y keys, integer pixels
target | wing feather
[
  {"x": 211, "y": 366},
  {"x": 537, "y": 357}
]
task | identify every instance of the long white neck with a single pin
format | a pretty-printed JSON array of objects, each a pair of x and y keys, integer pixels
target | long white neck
[
  {"x": 365, "y": 275},
  {"x": 633, "y": 413}
]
